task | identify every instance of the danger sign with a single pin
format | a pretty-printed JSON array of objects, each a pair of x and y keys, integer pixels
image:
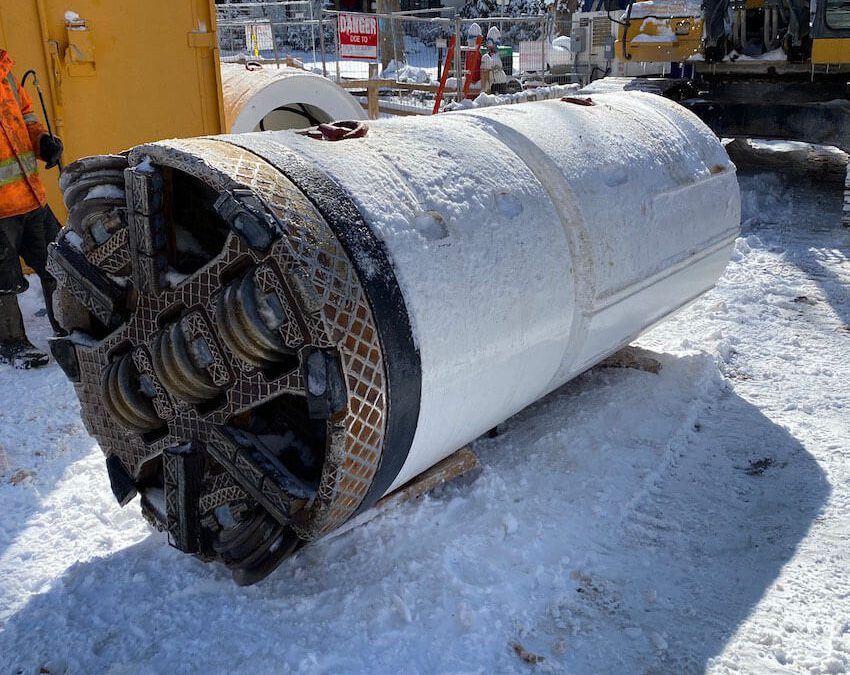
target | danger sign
[{"x": 358, "y": 36}]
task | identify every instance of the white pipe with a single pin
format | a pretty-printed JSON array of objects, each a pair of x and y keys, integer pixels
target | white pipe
[
  {"x": 532, "y": 241},
  {"x": 252, "y": 96}
]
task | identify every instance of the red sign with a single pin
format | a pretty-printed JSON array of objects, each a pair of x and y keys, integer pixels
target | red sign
[{"x": 358, "y": 36}]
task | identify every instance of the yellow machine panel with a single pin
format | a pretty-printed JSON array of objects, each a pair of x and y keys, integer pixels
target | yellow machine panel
[
  {"x": 661, "y": 39},
  {"x": 119, "y": 74},
  {"x": 831, "y": 51}
]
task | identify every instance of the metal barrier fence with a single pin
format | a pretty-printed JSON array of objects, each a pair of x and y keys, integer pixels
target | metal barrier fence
[
  {"x": 412, "y": 49},
  {"x": 272, "y": 31}
]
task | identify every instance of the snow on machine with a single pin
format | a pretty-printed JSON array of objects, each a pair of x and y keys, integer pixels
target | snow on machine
[{"x": 748, "y": 68}]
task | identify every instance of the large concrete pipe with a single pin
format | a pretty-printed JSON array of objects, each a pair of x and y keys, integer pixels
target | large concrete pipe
[
  {"x": 272, "y": 330},
  {"x": 272, "y": 99}
]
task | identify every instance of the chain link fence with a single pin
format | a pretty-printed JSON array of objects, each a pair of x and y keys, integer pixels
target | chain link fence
[
  {"x": 273, "y": 31},
  {"x": 414, "y": 54},
  {"x": 413, "y": 50}
]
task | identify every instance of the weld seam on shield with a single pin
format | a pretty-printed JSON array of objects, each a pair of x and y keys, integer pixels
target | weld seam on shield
[{"x": 401, "y": 356}]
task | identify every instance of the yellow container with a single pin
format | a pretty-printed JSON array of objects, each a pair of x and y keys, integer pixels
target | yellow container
[{"x": 121, "y": 73}]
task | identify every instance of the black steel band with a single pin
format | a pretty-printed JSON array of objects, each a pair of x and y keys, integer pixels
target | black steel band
[{"x": 401, "y": 356}]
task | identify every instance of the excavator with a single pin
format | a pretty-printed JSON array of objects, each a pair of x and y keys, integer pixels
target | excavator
[{"x": 771, "y": 69}]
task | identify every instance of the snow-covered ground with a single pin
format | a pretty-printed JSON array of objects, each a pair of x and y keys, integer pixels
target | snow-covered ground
[{"x": 697, "y": 519}]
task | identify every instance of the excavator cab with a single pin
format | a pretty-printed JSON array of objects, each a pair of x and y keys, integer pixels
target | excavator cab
[{"x": 816, "y": 32}]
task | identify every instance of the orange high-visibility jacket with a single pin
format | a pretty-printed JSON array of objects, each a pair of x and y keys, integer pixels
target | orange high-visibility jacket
[{"x": 21, "y": 190}]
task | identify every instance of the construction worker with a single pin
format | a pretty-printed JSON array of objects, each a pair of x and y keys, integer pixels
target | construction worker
[
  {"x": 27, "y": 224},
  {"x": 493, "y": 78}
]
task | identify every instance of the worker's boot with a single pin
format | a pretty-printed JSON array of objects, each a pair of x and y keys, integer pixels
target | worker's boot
[
  {"x": 22, "y": 355},
  {"x": 15, "y": 348}
]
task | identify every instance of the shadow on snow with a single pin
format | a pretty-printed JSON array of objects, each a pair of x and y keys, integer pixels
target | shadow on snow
[{"x": 627, "y": 522}]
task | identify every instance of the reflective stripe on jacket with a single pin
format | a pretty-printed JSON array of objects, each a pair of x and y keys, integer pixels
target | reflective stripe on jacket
[{"x": 21, "y": 190}]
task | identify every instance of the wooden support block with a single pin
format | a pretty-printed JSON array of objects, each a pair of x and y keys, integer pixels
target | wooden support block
[
  {"x": 291, "y": 62},
  {"x": 388, "y": 84},
  {"x": 463, "y": 463},
  {"x": 372, "y": 92},
  {"x": 633, "y": 357},
  {"x": 398, "y": 112},
  {"x": 454, "y": 466}
]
